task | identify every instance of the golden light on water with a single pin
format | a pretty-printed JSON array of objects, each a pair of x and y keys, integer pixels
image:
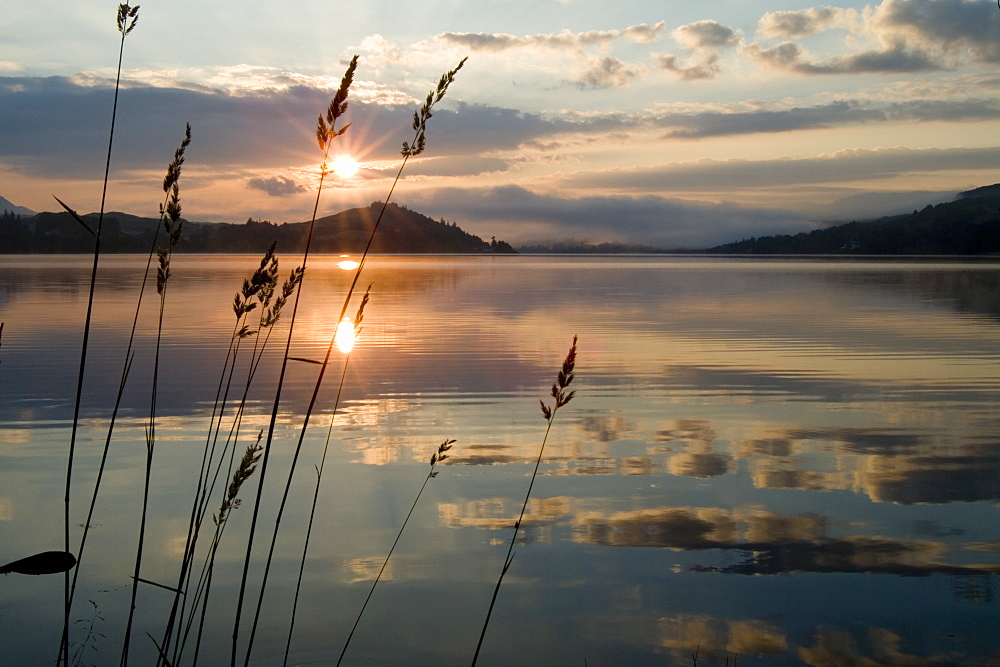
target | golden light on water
[
  {"x": 344, "y": 338},
  {"x": 347, "y": 264}
]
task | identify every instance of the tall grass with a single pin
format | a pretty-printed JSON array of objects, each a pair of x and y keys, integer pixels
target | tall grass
[
  {"x": 437, "y": 457},
  {"x": 258, "y": 291},
  {"x": 126, "y": 21},
  {"x": 170, "y": 217},
  {"x": 326, "y": 132},
  {"x": 355, "y": 333},
  {"x": 420, "y": 119},
  {"x": 562, "y": 395}
]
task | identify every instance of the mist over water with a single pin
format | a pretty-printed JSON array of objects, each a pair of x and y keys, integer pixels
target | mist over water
[{"x": 829, "y": 427}]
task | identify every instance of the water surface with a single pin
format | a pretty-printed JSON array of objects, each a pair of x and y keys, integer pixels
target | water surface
[{"x": 793, "y": 461}]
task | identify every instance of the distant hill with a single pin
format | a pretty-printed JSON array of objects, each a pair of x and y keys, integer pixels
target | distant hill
[
  {"x": 347, "y": 232},
  {"x": 969, "y": 225},
  {"x": 8, "y": 208}
]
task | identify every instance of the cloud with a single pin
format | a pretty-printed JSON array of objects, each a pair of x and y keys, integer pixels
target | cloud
[
  {"x": 735, "y": 174},
  {"x": 902, "y": 36},
  {"x": 706, "y": 36},
  {"x": 693, "y": 72},
  {"x": 772, "y": 543},
  {"x": 948, "y": 26},
  {"x": 802, "y": 23},
  {"x": 790, "y": 56},
  {"x": 608, "y": 72},
  {"x": 841, "y": 113},
  {"x": 642, "y": 33},
  {"x": 704, "y": 40},
  {"x": 528, "y": 217},
  {"x": 276, "y": 186}
]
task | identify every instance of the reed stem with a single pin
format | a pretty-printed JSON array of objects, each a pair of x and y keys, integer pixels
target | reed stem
[
  {"x": 563, "y": 396},
  {"x": 124, "y": 27}
]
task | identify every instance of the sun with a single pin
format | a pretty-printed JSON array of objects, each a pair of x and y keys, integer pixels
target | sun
[{"x": 345, "y": 166}]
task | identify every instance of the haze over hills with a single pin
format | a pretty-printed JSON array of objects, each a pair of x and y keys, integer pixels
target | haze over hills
[{"x": 968, "y": 225}]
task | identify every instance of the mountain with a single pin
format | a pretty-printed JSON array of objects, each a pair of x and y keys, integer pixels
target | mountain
[
  {"x": 969, "y": 225},
  {"x": 400, "y": 231},
  {"x": 7, "y": 207}
]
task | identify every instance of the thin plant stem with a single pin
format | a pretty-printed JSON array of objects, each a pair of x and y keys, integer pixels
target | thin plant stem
[
  {"x": 562, "y": 396},
  {"x": 326, "y": 133},
  {"x": 420, "y": 119},
  {"x": 170, "y": 216},
  {"x": 125, "y": 13},
  {"x": 436, "y": 457},
  {"x": 261, "y": 285},
  {"x": 319, "y": 476}
]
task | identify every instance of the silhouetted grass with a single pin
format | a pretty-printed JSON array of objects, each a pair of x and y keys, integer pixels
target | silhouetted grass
[
  {"x": 326, "y": 132},
  {"x": 437, "y": 457},
  {"x": 325, "y": 129},
  {"x": 126, "y": 22},
  {"x": 562, "y": 395},
  {"x": 170, "y": 216}
]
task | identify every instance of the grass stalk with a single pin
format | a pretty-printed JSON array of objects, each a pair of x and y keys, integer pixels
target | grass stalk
[
  {"x": 319, "y": 473},
  {"x": 562, "y": 395},
  {"x": 326, "y": 132},
  {"x": 324, "y": 129},
  {"x": 257, "y": 290},
  {"x": 438, "y": 456},
  {"x": 126, "y": 22},
  {"x": 170, "y": 216}
]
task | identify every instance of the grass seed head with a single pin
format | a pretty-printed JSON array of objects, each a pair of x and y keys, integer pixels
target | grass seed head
[
  {"x": 421, "y": 117},
  {"x": 127, "y": 18},
  {"x": 563, "y": 381}
]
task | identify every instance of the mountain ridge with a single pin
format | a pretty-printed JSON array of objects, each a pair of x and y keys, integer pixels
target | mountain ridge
[{"x": 347, "y": 232}]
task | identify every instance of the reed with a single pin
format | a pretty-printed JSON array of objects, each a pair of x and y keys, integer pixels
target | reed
[
  {"x": 231, "y": 501},
  {"x": 562, "y": 395},
  {"x": 325, "y": 130},
  {"x": 326, "y": 133},
  {"x": 437, "y": 457},
  {"x": 126, "y": 21},
  {"x": 170, "y": 217},
  {"x": 355, "y": 332},
  {"x": 257, "y": 291}
]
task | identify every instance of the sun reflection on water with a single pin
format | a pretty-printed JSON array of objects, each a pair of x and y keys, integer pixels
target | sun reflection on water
[{"x": 345, "y": 336}]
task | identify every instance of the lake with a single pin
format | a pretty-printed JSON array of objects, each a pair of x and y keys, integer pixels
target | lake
[{"x": 792, "y": 461}]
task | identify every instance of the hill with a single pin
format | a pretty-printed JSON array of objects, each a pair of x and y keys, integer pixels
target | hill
[
  {"x": 347, "y": 232},
  {"x": 969, "y": 225},
  {"x": 8, "y": 209}
]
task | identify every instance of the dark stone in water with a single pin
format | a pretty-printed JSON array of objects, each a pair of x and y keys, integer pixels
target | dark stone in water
[{"x": 47, "y": 562}]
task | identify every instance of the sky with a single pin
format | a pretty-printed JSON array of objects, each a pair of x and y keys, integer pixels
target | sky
[{"x": 672, "y": 124}]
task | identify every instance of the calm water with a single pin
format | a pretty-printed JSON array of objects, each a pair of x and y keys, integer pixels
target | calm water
[{"x": 793, "y": 461}]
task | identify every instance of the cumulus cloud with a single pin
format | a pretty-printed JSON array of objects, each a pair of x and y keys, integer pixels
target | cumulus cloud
[
  {"x": 896, "y": 36},
  {"x": 706, "y": 36},
  {"x": 703, "y": 40},
  {"x": 688, "y": 72},
  {"x": 276, "y": 186},
  {"x": 608, "y": 72},
  {"x": 948, "y": 26},
  {"x": 805, "y": 22}
]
